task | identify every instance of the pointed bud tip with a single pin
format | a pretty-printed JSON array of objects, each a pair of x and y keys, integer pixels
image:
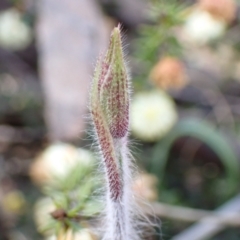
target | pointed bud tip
[
  {"x": 110, "y": 87},
  {"x": 116, "y": 32}
]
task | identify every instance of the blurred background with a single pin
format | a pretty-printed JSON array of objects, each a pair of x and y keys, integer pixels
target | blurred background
[{"x": 184, "y": 59}]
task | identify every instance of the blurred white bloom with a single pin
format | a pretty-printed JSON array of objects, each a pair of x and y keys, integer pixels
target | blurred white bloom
[
  {"x": 201, "y": 27},
  {"x": 153, "y": 114},
  {"x": 42, "y": 217},
  {"x": 45, "y": 217},
  {"x": 57, "y": 161},
  {"x": 14, "y": 33},
  {"x": 83, "y": 234}
]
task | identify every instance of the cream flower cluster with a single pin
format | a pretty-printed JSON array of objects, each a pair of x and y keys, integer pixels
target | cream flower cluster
[
  {"x": 58, "y": 160},
  {"x": 201, "y": 27},
  {"x": 14, "y": 33},
  {"x": 43, "y": 219},
  {"x": 80, "y": 235},
  {"x": 153, "y": 114}
]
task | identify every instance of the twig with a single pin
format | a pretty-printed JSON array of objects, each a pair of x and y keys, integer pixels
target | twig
[
  {"x": 192, "y": 215},
  {"x": 212, "y": 224}
]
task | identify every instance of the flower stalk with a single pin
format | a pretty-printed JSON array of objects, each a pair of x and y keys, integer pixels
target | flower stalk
[{"x": 109, "y": 106}]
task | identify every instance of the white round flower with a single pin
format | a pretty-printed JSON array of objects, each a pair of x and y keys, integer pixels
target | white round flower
[
  {"x": 57, "y": 161},
  {"x": 153, "y": 114},
  {"x": 42, "y": 217},
  {"x": 42, "y": 210},
  {"x": 83, "y": 234},
  {"x": 14, "y": 33},
  {"x": 201, "y": 27}
]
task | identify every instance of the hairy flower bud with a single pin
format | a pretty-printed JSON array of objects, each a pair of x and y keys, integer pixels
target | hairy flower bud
[
  {"x": 104, "y": 137},
  {"x": 109, "y": 107},
  {"x": 113, "y": 87}
]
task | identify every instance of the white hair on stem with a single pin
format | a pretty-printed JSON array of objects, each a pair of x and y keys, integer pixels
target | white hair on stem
[{"x": 109, "y": 107}]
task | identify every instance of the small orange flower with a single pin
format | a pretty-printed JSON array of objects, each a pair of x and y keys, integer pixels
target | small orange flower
[
  {"x": 222, "y": 9},
  {"x": 169, "y": 72},
  {"x": 145, "y": 187}
]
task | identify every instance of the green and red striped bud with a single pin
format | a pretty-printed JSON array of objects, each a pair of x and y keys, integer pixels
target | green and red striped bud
[
  {"x": 110, "y": 108},
  {"x": 112, "y": 91}
]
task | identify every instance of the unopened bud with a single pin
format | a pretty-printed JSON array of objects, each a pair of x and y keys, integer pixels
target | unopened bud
[
  {"x": 113, "y": 87},
  {"x": 109, "y": 107}
]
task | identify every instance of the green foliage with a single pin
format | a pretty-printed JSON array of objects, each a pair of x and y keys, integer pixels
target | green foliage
[
  {"x": 157, "y": 38},
  {"x": 215, "y": 140},
  {"x": 74, "y": 198}
]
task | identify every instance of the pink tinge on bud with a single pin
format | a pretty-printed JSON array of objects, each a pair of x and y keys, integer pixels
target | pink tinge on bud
[
  {"x": 120, "y": 114},
  {"x": 110, "y": 114},
  {"x": 114, "y": 87},
  {"x": 109, "y": 157},
  {"x": 110, "y": 109}
]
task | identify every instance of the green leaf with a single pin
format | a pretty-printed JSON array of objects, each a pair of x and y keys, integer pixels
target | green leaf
[{"x": 206, "y": 133}]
